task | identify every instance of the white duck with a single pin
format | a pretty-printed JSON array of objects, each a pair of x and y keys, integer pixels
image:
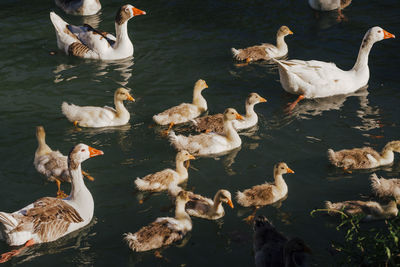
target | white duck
[
  {"x": 52, "y": 164},
  {"x": 185, "y": 111},
  {"x": 203, "y": 207},
  {"x": 210, "y": 143},
  {"x": 163, "y": 231},
  {"x": 161, "y": 180},
  {"x": 87, "y": 42},
  {"x": 79, "y": 7},
  {"x": 265, "y": 51},
  {"x": 365, "y": 157},
  {"x": 314, "y": 79},
  {"x": 215, "y": 123},
  {"x": 89, "y": 116},
  {"x": 48, "y": 219}
]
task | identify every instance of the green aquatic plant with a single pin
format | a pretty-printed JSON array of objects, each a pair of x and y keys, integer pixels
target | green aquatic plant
[{"x": 366, "y": 244}]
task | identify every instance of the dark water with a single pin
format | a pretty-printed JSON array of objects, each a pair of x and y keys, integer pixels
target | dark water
[{"x": 177, "y": 43}]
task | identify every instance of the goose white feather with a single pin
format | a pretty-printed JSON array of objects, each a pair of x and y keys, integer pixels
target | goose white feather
[
  {"x": 87, "y": 42},
  {"x": 313, "y": 79},
  {"x": 79, "y": 7}
]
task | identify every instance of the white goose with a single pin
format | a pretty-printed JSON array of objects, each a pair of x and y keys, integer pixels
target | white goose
[
  {"x": 89, "y": 116},
  {"x": 210, "y": 143},
  {"x": 87, "y": 42},
  {"x": 47, "y": 219},
  {"x": 314, "y": 79},
  {"x": 79, "y": 7}
]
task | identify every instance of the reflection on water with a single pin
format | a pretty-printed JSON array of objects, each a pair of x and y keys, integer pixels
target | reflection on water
[
  {"x": 77, "y": 241},
  {"x": 327, "y": 19},
  {"x": 118, "y": 71},
  {"x": 92, "y": 20}
]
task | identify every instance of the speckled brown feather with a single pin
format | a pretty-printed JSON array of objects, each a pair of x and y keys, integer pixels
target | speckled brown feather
[
  {"x": 254, "y": 53},
  {"x": 198, "y": 203},
  {"x": 122, "y": 15},
  {"x": 214, "y": 123},
  {"x": 355, "y": 158},
  {"x": 78, "y": 49},
  {"x": 258, "y": 195},
  {"x": 49, "y": 218},
  {"x": 164, "y": 177}
]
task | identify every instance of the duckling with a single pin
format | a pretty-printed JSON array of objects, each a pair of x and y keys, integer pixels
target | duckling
[
  {"x": 215, "y": 123},
  {"x": 161, "y": 180},
  {"x": 202, "y": 207},
  {"x": 385, "y": 187},
  {"x": 89, "y": 116},
  {"x": 210, "y": 143},
  {"x": 371, "y": 209},
  {"x": 163, "y": 231},
  {"x": 52, "y": 164},
  {"x": 363, "y": 158},
  {"x": 265, "y": 194},
  {"x": 265, "y": 51},
  {"x": 185, "y": 111},
  {"x": 272, "y": 248}
]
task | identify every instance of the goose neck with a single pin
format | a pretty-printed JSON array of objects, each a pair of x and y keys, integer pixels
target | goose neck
[
  {"x": 250, "y": 110},
  {"x": 122, "y": 37},
  {"x": 280, "y": 43},
  {"x": 362, "y": 58},
  {"x": 199, "y": 100},
  {"x": 119, "y": 107},
  {"x": 230, "y": 132},
  {"x": 181, "y": 169}
]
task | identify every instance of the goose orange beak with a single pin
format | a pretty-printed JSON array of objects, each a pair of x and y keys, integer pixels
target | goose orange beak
[
  {"x": 191, "y": 157},
  {"x": 230, "y": 203},
  {"x": 262, "y": 99},
  {"x": 137, "y": 11},
  {"x": 95, "y": 152},
  {"x": 206, "y": 85},
  {"x": 290, "y": 32},
  {"x": 289, "y": 170},
  {"x": 130, "y": 98},
  {"x": 239, "y": 117},
  {"x": 387, "y": 35}
]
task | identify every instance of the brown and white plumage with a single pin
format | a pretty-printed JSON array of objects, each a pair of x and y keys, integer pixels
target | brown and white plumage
[
  {"x": 163, "y": 231},
  {"x": 48, "y": 219},
  {"x": 210, "y": 143},
  {"x": 271, "y": 248},
  {"x": 89, "y": 116},
  {"x": 79, "y": 7},
  {"x": 215, "y": 123},
  {"x": 185, "y": 111},
  {"x": 266, "y": 194},
  {"x": 161, "y": 180},
  {"x": 203, "y": 207},
  {"x": 385, "y": 187},
  {"x": 363, "y": 158},
  {"x": 372, "y": 210},
  {"x": 265, "y": 51}
]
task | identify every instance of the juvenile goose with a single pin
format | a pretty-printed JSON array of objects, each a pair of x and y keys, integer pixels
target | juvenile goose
[
  {"x": 363, "y": 158},
  {"x": 371, "y": 209},
  {"x": 265, "y": 51},
  {"x": 185, "y": 111},
  {"x": 267, "y": 193},
  {"x": 215, "y": 123},
  {"x": 385, "y": 187},
  {"x": 47, "y": 219},
  {"x": 314, "y": 79},
  {"x": 202, "y": 207},
  {"x": 89, "y": 116},
  {"x": 271, "y": 248},
  {"x": 87, "y": 42},
  {"x": 163, "y": 231},
  {"x": 161, "y": 180},
  {"x": 79, "y": 7},
  {"x": 210, "y": 143},
  {"x": 52, "y": 164}
]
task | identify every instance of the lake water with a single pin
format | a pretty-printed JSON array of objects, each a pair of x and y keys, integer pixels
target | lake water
[{"x": 176, "y": 43}]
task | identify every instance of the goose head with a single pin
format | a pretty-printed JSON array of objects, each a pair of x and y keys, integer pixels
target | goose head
[
  {"x": 183, "y": 155},
  {"x": 183, "y": 196},
  {"x": 376, "y": 34},
  {"x": 255, "y": 98},
  {"x": 224, "y": 196},
  {"x": 122, "y": 94},
  {"x": 393, "y": 146},
  {"x": 282, "y": 168},
  {"x": 80, "y": 153},
  {"x": 231, "y": 114},
  {"x": 284, "y": 31},
  {"x": 40, "y": 133},
  {"x": 200, "y": 85},
  {"x": 127, "y": 12}
]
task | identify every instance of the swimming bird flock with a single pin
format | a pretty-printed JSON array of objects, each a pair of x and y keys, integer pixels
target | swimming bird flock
[{"x": 50, "y": 218}]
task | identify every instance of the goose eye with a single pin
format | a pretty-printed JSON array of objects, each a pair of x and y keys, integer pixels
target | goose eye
[
  {"x": 83, "y": 150},
  {"x": 379, "y": 31}
]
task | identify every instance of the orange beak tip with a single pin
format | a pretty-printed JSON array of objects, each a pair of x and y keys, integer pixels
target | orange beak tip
[
  {"x": 290, "y": 170},
  {"x": 95, "y": 152},
  {"x": 230, "y": 203},
  {"x": 239, "y": 117}
]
